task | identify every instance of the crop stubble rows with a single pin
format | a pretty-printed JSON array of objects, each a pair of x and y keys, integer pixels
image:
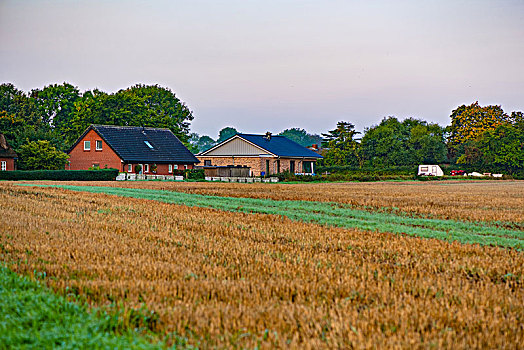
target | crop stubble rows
[
  {"x": 223, "y": 278},
  {"x": 471, "y": 201}
]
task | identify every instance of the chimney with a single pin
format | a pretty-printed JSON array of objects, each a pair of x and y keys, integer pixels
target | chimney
[{"x": 268, "y": 136}]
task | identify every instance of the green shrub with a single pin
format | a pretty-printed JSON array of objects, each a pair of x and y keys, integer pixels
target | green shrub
[
  {"x": 194, "y": 174},
  {"x": 61, "y": 175}
]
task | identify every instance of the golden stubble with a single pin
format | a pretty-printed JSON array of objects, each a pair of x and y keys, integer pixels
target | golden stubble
[{"x": 242, "y": 279}]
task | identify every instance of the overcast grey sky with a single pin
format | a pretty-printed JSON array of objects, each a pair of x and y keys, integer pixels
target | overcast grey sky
[{"x": 270, "y": 65}]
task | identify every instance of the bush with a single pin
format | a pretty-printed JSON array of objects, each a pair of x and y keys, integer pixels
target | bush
[
  {"x": 61, "y": 175},
  {"x": 194, "y": 174}
]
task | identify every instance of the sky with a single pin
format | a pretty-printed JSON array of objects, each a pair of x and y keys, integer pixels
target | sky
[{"x": 270, "y": 65}]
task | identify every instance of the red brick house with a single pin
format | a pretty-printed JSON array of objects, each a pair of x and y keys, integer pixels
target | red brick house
[
  {"x": 130, "y": 149},
  {"x": 7, "y": 155}
]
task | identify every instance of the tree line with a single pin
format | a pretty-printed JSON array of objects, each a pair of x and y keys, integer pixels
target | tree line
[
  {"x": 479, "y": 137},
  {"x": 43, "y": 123}
]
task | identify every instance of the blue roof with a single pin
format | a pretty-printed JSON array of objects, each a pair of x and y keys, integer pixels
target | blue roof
[{"x": 280, "y": 146}]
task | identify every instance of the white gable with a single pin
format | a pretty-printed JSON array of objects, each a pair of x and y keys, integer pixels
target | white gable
[{"x": 236, "y": 147}]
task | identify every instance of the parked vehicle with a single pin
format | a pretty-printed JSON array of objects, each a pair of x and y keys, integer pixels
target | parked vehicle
[
  {"x": 430, "y": 170},
  {"x": 458, "y": 173}
]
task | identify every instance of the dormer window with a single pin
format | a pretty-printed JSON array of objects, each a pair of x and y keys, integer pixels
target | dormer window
[
  {"x": 87, "y": 145},
  {"x": 148, "y": 144}
]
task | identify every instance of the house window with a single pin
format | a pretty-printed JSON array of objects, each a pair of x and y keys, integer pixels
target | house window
[
  {"x": 292, "y": 166},
  {"x": 148, "y": 144},
  {"x": 98, "y": 145},
  {"x": 278, "y": 166},
  {"x": 267, "y": 167},
  {"x": 87, "y": 145},
  {"x": 175, "y": 166},
  {"x": 130, "y": 168},
  {"x": 306, "y": 167},
  {"x": 207, "y": 162},
  {"x": 4, "y": 165},
  {"x": 185, "y": 166},
  {"x": 170, "y": 168},
  {"x": 146, "y": 168}
]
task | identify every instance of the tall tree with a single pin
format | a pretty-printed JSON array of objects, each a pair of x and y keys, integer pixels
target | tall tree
[
  {"x": 226, "y": 133},
  {"x": 140, "y": 105},
  {"x": 200, "y": 143},
  {"x": 301, "y": 136},
  {"x": 410, "y": 142},
  {"x": 342, "y": 147},
  {"x": 469, "y": 122},
  {"x": 56, "y": 104}
]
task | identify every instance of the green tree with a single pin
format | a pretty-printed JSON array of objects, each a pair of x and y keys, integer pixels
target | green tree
[
  {"x": 410, "y": 142},
  {"x": 163, "y": 110},
  {"x": 140, "y": 105},
  {"x": 41, "y": 155},
  {"x": 469, "y": 122},
  {"x": 56, "y": 104},
  {"x": 301, "y": 137},
  {"x": 200, "y": 143},
  {"x": 342, "y": 148},
  {"x": 226, "y": 133}
]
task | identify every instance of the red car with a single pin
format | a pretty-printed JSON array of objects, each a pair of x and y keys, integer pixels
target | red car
[{"x": 458, "y": 173}]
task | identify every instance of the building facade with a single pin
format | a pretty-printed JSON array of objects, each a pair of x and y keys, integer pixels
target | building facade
[
  {"x": 7, "y": 155},
  {"x": 264, "y": 154},
  {"x": 130, "y": 149}
]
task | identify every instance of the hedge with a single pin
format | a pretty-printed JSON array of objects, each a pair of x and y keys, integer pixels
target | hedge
[{"x": 61, "y": 175}]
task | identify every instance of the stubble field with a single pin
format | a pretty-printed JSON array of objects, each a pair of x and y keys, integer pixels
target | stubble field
[{"x": 236, "y": 279}]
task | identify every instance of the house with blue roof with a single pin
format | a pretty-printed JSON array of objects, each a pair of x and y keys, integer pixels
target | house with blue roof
[{"x": 263, "y": 154}]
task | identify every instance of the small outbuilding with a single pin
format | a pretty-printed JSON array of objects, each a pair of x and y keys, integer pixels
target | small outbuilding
[
  {"x": 130, "y": 149},
  {"x": 7, "y": 155},
  {"x": 430, "y": 170}
]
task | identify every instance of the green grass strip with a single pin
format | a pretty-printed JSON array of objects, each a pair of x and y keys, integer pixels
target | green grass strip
[
  {"x": 32, "y": 317},
  {"x": 334, "y": 214}
]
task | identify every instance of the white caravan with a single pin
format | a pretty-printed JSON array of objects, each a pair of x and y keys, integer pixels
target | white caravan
[{"x": 430, "y": 170}]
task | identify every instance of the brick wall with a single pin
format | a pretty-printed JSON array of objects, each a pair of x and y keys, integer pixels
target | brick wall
[
  {"x": 83, "y": 160},
  {"x": 257, "y": 164},
  {"x": 10, "y": 163}
]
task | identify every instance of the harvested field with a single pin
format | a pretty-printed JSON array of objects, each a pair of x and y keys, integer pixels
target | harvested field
[
  {"x": 234, "y": 279},
  {"x": 460, "y": 200}
]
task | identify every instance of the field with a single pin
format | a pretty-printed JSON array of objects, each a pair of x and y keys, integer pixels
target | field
[{"x": 232, "y": 275}]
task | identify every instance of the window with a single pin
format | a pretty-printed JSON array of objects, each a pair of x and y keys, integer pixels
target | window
[
  {"x": 98, "y": 145},
  {"x": 175, "y": 166},
  {"x": 185, "y": 166},
  {"x": 278, "y": 166},
  {"x": 292, "y": 166},
  {"x": 146, "y": 168},
  {"x": 424, "y": 168},
  {"x": 4, "y": 165},
  {"x": 130, "y": 168},
  {"x": 87, "y": 145},
  {"x": 170, "y": 170},
  {"x": 207, "y": 162},
  {"x": 148, "y": 144},
  {"x": 96, "y": 166}
]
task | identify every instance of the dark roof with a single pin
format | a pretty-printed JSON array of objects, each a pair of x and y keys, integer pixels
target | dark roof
[
  {"x": 5, "y": 150},
  {"x": 280, "y": 146},
  {"x": 129, "y": 143}
]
